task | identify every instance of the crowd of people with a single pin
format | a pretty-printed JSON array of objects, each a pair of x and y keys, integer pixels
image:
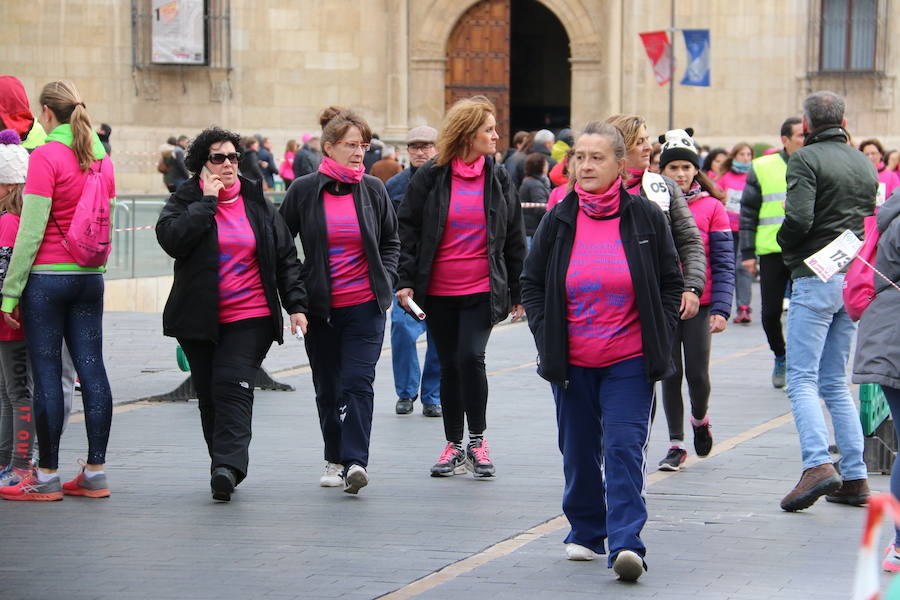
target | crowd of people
[{"x": 624, "y": 255}]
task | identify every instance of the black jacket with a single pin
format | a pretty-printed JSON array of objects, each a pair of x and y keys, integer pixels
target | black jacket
[
  {"x": 423, "y": 216},
  {"x": 305, "y": 162},
  {"x": 655, "y": 274},
  {"x": 271, "y": 169},
  {"x": 534, "y": 189},
  {"x": 186, "y": 230},
  {"x": 249, "y": 166},
  {"x": 303, "y": 210},
  {"x": 831, "y": 187}
]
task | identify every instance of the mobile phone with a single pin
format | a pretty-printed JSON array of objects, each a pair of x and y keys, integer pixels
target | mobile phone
[{"x": 205, "y": 172}]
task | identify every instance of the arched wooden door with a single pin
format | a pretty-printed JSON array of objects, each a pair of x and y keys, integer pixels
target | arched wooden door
[{"x": 478, "y": 59}]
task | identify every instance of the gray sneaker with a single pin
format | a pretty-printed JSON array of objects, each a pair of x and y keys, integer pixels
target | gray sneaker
[
  {"x": 355, "y": 479},
  {"x": 89, "y": 487},
  {"x": 31, "y": 488}
]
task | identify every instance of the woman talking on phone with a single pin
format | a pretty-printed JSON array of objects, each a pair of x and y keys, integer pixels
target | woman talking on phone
[{"x": 234, "y": 257}]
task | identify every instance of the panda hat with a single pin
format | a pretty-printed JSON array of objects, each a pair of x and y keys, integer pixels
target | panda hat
[{"x": 678, "y": 144}]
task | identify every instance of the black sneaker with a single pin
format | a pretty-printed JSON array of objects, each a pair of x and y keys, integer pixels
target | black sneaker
[
  {"x": 404, "y": 406},
  {"x": 451, "y": 462},
  {"x": 222, "y": 483},
  {"x": 479, "y": 459},
  {"x": 432, "y": 410},
  {"x": 703, "y": 441},
  {"x": 673, "y": 460}
]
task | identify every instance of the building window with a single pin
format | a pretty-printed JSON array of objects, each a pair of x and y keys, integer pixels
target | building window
[
  {"x": 848, "y": 35},
  {"x": 169, "y": 33}
]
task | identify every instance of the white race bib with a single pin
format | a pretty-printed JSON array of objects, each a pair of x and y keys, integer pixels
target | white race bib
[
  {"x": 656, "y": 190},
  {"x": 733, "y": 201},
  {"x": 881, "y": 197}
]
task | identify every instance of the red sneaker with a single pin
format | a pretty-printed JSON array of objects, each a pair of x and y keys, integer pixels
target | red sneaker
[
  {"x": 89, "y": 487},
  {"x": 32, "y": 489},
  {"x": 743, "y": 315}
]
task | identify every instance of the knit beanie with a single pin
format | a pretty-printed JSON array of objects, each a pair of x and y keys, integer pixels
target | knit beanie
[
  {"x": 13, "y": 158},
  {"x": 677, "y": 144}
]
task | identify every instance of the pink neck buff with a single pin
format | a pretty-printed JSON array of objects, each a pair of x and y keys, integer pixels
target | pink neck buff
[
  {"x": 467, "y": 171},
  {"x": 600, "y": 205},
  {"x": 634, "y": 179},
  {"x": 339, "y": 172},
  {"x": 227, "y": 194}
]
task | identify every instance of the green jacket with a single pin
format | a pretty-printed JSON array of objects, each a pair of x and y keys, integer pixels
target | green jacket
[{"x": 831, "y": 187}]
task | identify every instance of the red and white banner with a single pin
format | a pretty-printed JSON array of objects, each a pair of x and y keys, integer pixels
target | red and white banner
[{"x": 659, "y": 51}]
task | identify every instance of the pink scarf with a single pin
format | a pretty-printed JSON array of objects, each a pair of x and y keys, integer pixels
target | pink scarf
[
  {"x": 600, "y": 205},
  {"x": 636, "y": 175},
  {"x": 228, "y": 193},
  {"x": 339, "y": 172},
  {"x": 467, "y": 171}
]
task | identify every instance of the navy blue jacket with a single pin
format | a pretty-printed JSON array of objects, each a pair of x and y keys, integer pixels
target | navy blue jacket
[{"x": 396, "y": 186}]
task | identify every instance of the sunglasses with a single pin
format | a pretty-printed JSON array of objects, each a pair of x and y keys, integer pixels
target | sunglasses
[{"x": 219, "y": 158}]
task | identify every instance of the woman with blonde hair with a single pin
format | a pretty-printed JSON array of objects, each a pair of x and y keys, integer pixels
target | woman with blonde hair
[
  {"x": 61, "y": 299},
  {"x": 462, "y": 246}
]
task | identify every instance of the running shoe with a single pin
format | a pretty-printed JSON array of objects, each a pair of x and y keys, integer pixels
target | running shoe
[
  {"x": 743, "y": 315},
  {"x": 89, "y": 487},
  {"x": 891, "y": 562},
  {"x": 10, "y": 476},
  {"x": 355, "y": 479},
  {"x": 628, "y": 565},
  {"x": 779, "y": 373},
  {"x": 478, "y": 459},
  {"x": 31, "y": 488},
  {"x": 452, "y": 461},
  {"x": 673, "y": 460},
  {"x": 333, "y": 476},
  {"x": 579, "y": 552},
  {"x": 703, "y": 441}
]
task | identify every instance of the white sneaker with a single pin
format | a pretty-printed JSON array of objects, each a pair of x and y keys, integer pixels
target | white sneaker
[
  {"x": 356, "y": 479},
  {"x": 628, "y": 565},
  {"x": 332, "y": 476},
  {"x": 578, "y": 552}
]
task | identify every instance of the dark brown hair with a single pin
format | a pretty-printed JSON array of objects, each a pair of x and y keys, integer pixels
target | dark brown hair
[
  {"x": 872, "y": 142},
  {"x": 534, "y": 164},
  {"x": 336, "y": 121},
  {"x": 726, "y": 166}
]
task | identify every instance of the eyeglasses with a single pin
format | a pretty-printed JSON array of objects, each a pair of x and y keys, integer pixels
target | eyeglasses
[
  {"x": 419, "y": 147},
  {"x": 218, "y": 158},
  {"x": 354, "y": 146}
]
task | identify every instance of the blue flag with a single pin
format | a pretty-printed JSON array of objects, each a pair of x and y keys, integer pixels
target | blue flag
[{"x": 697, "y": 43}]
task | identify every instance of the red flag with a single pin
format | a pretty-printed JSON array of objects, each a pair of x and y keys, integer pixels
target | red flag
[{"x": 659, "y": 51}]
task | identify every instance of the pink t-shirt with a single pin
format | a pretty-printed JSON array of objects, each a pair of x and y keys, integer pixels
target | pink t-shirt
[
  {"x": 890, "y": 180},
  {"x": 9, "y": 227},
  {"x": 346, "y": 254},
  {"x": 710, "y": 215},
  {"x": 556, "y": 196},
  {"x": 241, "y": 294},
  {"x": 602, "y": 314},
  {"x": 460, "y": 266},
  {"x": 53, "y": 172},
  {"x": 733, "y": 185}
]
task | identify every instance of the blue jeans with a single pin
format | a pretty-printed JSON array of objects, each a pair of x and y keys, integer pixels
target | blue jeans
[
  {"x": 404, "y": 332},
  {"x": 71, "y": 307},
  {"x": 604, "y": 424},
  {"x": 819, "y": 336}
]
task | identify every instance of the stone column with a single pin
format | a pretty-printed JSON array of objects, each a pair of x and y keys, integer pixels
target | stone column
[
  {"x": 397, "y": 71},
  {"x": 427, "y": 65}
]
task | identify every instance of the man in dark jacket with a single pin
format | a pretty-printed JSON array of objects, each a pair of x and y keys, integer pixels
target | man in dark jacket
[
  {"x": 831, "y": 187},
  {"x": 267, "y": 163},
  {"x": 762, "y": 212},
  {"x": 405, "y": 330},
  {"x": 307, "y": 160}
]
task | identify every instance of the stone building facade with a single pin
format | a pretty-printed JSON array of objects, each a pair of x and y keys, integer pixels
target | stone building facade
[{"x": 275, "y": 63}]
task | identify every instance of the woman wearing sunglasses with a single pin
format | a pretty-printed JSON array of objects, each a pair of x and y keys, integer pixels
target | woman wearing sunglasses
[
  {"x": 349, "y": 234},
  {"x": 234, "y": 257}
]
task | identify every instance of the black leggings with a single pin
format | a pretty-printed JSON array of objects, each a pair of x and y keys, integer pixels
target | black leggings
[
  {"x": 460, "y": 327},
  {"x": 694, "y": 335},
  {"x": 774, "y": 279},
  {"x": 224, "y": 376}
]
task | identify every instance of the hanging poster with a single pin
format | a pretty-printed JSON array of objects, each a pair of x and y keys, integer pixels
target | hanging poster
[{"x": 178, "y": 32}]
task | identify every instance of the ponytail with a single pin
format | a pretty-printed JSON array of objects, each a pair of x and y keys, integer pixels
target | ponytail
[
  {"x": 64, "y": 100},
  {"x": 83, "y": 137}
]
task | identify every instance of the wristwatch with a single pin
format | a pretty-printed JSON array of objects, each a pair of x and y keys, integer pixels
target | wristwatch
[{"x": 693, "y": 289}]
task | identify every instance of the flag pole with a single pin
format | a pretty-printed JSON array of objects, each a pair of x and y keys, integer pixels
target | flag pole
[{"x": 672, "y": 76}]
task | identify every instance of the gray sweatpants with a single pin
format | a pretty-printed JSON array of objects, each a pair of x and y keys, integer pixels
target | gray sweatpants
[{"x": 17, "y": 436}]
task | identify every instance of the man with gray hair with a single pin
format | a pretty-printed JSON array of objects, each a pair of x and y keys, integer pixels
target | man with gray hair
[
  {"x": 831, "y": 188},
  {"x": 543, "y": 144}
]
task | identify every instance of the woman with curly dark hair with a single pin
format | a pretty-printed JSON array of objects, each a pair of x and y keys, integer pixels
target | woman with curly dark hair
[{"x": 234, "y": 258}]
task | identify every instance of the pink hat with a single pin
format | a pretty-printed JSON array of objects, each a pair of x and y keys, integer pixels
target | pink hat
[{"x": 307, "y": 137}]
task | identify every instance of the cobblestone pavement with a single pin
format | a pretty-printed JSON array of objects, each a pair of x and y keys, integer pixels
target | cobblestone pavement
[{"x": 715, "y": 529}]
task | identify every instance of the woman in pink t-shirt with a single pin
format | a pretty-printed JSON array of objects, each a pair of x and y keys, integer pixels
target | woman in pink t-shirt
[
  {"x": 732, "y": 181},
  {"x": 234, "y": 259},
  {"x": 463, "y": 243},
  {"x": 887, "y": 178},
  {"x": 680, "y": 161},
  {"x": 286, "y": 170},
  {"x": 602, "y": 288},
  {"x": 348, "y": 228}
]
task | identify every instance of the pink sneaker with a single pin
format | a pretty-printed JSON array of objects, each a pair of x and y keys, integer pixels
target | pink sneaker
[
  {"x": 479, "y": 459},
  {"x": 891, "y": 562}
]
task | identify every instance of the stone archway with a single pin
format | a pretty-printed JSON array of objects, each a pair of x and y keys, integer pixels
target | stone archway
[{"x": 595, "y": 56}]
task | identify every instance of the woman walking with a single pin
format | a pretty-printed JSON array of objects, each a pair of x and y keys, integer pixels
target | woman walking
[
  {"x": 234, "y": 257},
  {"x": 348, "y": 229},
  {"x": 681, "y": 162},
  {"x": 463, "y": 243},
  {"x": 602, "y": 289},
  {"x": 286, "y": 170},
  {"x": 60, "y": 299},
  {"x": 732, "y": 181}
]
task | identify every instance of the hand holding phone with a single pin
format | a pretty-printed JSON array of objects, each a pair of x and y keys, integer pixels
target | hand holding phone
[{"x": 212, "y": 185}]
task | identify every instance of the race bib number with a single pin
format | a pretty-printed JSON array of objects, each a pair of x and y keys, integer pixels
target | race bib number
[
  {"x": 881, "y": 197},
  {"x": 733, "y": 201},
  {"x": 656, "y": 190},
  {"x": 828, "y": 262}
]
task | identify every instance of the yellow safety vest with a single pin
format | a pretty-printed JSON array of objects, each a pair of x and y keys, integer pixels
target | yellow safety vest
[{"x": 771, "y": 172}]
